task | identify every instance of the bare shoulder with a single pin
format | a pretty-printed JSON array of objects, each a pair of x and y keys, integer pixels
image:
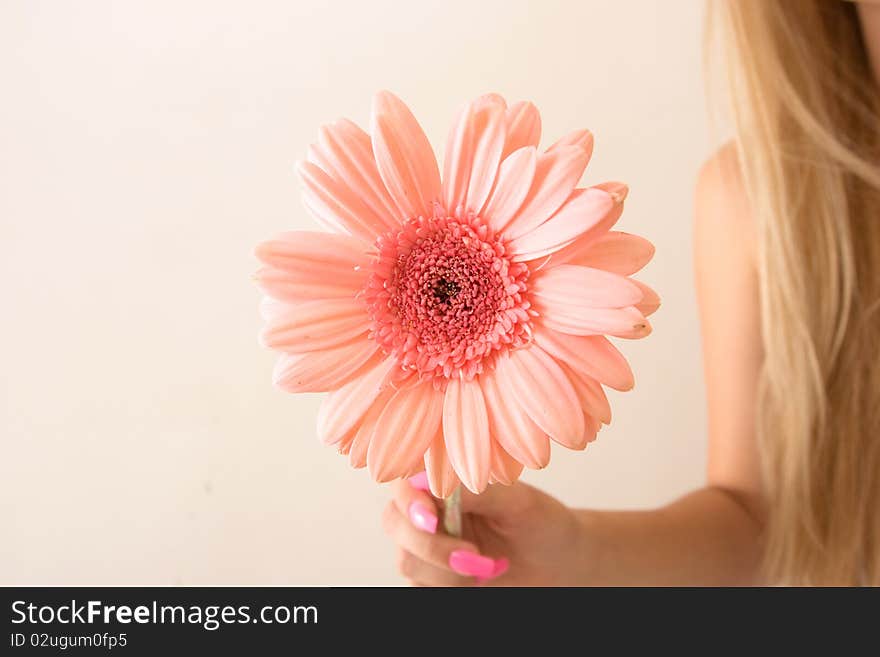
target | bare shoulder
[
  {"x": 722, "y": 214},
  {"x": 727, "y": 286}
]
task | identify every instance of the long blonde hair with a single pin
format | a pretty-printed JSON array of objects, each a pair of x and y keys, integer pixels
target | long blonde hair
[{"x": 805, "y": 106}]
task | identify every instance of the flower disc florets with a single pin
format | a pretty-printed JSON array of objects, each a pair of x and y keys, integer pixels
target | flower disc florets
[{"x": 444, "y": 298}]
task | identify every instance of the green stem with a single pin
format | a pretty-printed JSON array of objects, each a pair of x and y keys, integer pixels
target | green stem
[{"x": 452, "y": 513}]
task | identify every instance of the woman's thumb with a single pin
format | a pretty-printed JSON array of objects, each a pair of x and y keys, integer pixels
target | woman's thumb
[{"x": 498, "y": 500}]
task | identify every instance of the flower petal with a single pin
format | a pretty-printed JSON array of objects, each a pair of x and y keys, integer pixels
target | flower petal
[
  {"x": 544, "y": 391},
  {"x": 325, "y": 369},
  {"x": 343, "y": 409},
  {"x": 591, "y": 428},
  {"x": 466, "y": 431},
  {"x": 594, "y": 401},
  {"x": 593, "y": 355},
  {"x": 514, "y": 181},
  {"x": 473, "y": 152},
  {"x": 572, "y": 251},
  {"x": 618, "y": 252},
  {"x": 334, "y": 205},
  {"x": 318, "y": 324},
  {"x": 627, "y": 322},
  {"x": 309, "y": 265},
  {"x": 404, "y": 157},
  {"x": 650, "y": 299},
  {"x": 295, "y": 287},
  {"x": 404, "y": 431},
  {"x": 584, "y": 209},
  {"x": 270, "y": 308},
  {"x": 582, "y": 287},
  {"x": 504, "y": 469},
  {"x": 302, "y": 249},
  {"x": 345, "y": 152},
  {"x": 509, "y": 423},
  {"x": 523, "y": 126},
  {"x": 441, "y": 476},
  {"x": 364, "y": 430},
  {"x": 344, "y": 445},
  {"x": 617, "y": 189},
  {"x": 556, "y": 175},
  {"x": 582, "y": 138},
  {"x": 585, "y": 301}
]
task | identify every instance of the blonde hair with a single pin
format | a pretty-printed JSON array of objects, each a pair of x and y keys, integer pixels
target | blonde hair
[{"x": 805, "y": 106}]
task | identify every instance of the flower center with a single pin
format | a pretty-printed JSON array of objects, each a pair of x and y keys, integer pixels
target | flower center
[
  {"x": 445, "y": 290},
  {"x": 444, "y": 298}
]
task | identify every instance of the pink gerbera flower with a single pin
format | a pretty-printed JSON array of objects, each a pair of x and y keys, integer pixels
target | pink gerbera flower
[{"x": 458, "y": 323}]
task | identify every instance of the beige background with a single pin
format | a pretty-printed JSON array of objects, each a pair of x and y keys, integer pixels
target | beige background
[{"x": 145, "y": 147}]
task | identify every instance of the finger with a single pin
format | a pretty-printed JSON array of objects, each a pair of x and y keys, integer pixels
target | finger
[
  {"x": 421, "y": 573},
  {"x": 499, "y": 500},
  {"x": 417, "y": 505},
  {"x": 500, "y": 569},
  {"x": 420, "y": 481},
  {"x": 435, "y": 549}
]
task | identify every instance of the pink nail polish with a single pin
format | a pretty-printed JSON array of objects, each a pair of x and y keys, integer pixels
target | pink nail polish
[
  {"x": 501, "y": 566},
  {"x": 420, "y": 481},
  {"x": 465, "y": 562},
  {"x": 422, "y": 517}
]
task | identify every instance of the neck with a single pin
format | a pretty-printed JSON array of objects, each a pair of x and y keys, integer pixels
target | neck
[{"x": 869, "y": 16}]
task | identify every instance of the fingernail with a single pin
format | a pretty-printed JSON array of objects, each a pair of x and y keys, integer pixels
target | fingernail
[
  {"x": 501, "y": 566},
  {"x": 420, "y": 481},
  {"x": 422, "y": 517},
  {"x": 465, "y": 562}
]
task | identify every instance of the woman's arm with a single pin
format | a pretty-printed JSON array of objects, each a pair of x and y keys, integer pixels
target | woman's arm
[
  {"x": 706, "y": 538},
  {"x": 709, "y": 537}
]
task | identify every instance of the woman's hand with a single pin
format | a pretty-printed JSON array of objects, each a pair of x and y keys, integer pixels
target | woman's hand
[{"x": 513, "y": 536}]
